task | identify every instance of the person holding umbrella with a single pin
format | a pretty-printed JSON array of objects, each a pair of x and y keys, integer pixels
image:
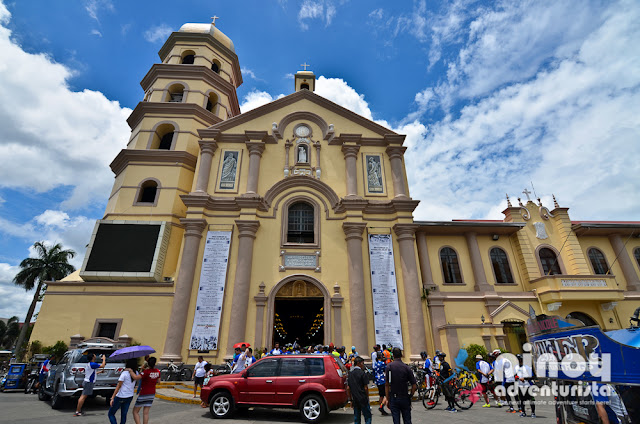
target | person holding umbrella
[{"x": 123, "y": 394}]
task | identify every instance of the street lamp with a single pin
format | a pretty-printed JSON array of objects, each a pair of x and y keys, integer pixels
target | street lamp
[{"x": 482, "y": 318}]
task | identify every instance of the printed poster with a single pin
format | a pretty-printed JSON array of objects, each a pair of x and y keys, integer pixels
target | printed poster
[
  {"x": 386, "y": 311},
  {"x": 213, "y": 277}
]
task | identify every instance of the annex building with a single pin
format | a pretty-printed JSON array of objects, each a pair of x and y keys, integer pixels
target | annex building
[{"x": 295, "y": 220}]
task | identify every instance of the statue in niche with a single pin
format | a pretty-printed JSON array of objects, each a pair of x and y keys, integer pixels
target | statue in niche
[
  {"x": 229, "y": 168},
  {"x": 374, "y": 174},
  {"x": 302, "y": 154}
]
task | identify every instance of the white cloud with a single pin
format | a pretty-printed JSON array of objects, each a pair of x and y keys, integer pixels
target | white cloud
[
  {"x": 250, "y": 73},
  {"x": 93, "y": 7},
  {"x": 255, "y": 99},
  {"x": 289, "y": 76},
  {"x": 323, "y": 10},
  {"x": 54, "y": 136},
  {"x": 338, "y": 91},
  {"x": 157, "y": 33},
  {"x": 14, "y": 301},
  {"x": 96, "y": 32}
]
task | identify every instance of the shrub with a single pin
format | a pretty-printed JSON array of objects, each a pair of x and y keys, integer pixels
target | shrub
[
  {"x": 57, "y": 349},
  {"x": 473, "y": 350}
]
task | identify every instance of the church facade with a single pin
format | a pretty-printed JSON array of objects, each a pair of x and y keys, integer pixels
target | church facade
[{"x": 294, "y": 221}]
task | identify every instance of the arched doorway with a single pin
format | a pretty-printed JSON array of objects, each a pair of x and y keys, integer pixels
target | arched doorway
[
  {"x": 299, "y": 307},
  {"x": 515, "y": 334},
  {"x": 583, "y": 318}
]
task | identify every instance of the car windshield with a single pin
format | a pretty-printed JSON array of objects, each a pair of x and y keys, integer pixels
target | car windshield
[{"x": 84, "y": 358}]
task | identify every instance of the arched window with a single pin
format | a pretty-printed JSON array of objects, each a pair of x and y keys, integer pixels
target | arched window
[
  {"x": 500, "y": 265},
  {"x": 176, "y": 93},
  {"x": 549, "y": 261},
  {"x": 162, "y": 136},
  {"x": 450, "y": 266},
  {"x": 188, "y": 57},
  {"x": 165, "y": 141},
  {"x": 148, "y": 192},
  {"x": 636, "y": 253},
  {"x": 583, "y": 318},
  {"x": 598, "y": 262},
  {"x": 300, "y": 223},
  {"x": 212, "y": 101},
  {"x": 304, "y": 86},
  {"x": 215, "y": 67}
]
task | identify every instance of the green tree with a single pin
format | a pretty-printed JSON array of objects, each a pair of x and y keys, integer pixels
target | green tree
[
  {"x": 473, "y": 350},
  {"x": 50, "y": 264},
  {"x": 57, "y": 349},
  {"x": 9, "y": 332}
]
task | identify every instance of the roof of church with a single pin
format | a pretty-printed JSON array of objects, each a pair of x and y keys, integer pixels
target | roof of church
[{"x": 209, "y": 29}]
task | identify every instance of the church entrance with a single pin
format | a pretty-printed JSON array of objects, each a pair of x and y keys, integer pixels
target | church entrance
[{"x": 299, "y": 314}]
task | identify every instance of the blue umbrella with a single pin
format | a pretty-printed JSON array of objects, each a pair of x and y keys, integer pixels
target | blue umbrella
[{"x": 132, "y": 352}]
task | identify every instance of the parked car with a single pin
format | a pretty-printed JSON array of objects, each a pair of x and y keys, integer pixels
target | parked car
[
  {"x": 314, "y": 384},
  {"x": 66, "y": 377}
]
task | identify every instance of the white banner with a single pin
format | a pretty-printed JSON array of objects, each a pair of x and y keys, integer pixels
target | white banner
[
  {"x": 213, "y": 277},
  {"x": 386, "y": 312}
]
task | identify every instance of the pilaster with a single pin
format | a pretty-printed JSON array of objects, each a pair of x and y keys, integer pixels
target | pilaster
[
  {"x": 575, "y": 261},
  {"x": 207, "y": 149},
  {"x": 261, "y": 302},
  {"x": 479, "y": 276},
  {"x": 396, "y": 153},
  {"x": 256, "y": 148},
  {"x": 629, "y": 272},
  {"x": 350, "y": 157},
  {"x": 336, "y": 307},
  {"x": 425, "y": 263},
  {"x": 357, "y": 304}
]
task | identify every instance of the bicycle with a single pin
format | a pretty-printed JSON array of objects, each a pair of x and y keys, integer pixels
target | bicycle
[{"x": 462, "y": 397}]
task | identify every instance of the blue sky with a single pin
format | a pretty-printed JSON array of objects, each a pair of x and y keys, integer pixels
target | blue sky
[{"x": 491, "y": 95}]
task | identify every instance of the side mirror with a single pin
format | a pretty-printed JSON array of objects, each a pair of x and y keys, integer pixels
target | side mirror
[{"x": 244, "y": 374}]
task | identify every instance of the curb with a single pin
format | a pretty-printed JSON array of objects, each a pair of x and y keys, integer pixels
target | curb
[{"x": 178, "y": 400}]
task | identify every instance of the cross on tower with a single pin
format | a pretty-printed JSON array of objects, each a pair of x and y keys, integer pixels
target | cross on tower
[
  {"x": 305, "y": 66},
  {"x": 213, "y": 20},
  {"x": 527, "y": 193}
]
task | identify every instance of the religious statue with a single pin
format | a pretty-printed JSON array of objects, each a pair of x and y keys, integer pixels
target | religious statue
[
  {"x": 229, "y": 168},
  {"x": 302, "y": 154},
  {"x": 374, "y": 174}
]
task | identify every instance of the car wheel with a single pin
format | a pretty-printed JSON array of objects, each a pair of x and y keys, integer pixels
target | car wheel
[
  {"x": 41, "y": 394},
  {"x": 56, "y": 400},
  {"x": 221, "y": 405},
  {"x": 312, "y": 409}
]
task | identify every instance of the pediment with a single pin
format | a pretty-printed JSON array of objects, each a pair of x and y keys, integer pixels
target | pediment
[
  {"x": 509, "y": 311},
  {"x": 334, "y": 122}
]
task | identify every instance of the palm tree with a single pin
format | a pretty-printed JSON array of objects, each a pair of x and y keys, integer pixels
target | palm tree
[
  {"x": 9, "y": 332},
  {"x": 50, "y": 265}
]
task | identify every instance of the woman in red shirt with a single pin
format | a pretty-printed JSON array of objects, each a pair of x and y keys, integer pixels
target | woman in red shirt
[{"x": 149, "y": 378}]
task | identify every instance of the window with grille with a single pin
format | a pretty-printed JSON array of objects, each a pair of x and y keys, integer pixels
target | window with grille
[
  {"x": 500, "y": 265},
  {"x": 300, "y": 224},
  {"x": 107, "y": 329},
  {"x": 598, "y": 262},
  {"x": 450, "y": 266},
  {"x": 549, "y": 261}
]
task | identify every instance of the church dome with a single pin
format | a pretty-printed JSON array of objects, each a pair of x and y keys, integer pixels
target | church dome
[{"x": 209, "y": 29}]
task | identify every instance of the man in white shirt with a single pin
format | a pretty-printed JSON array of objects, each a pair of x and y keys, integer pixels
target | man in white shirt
[
  {"x": 508, "y": 378},
  {"x": 198, "y": 374},
  {"x": 276, "y": 349},
  {"x": 241, "y": 364},
  {"x": 374, "y": 354},
  {"x": 524, "y": 375},
  {"x": 484, "y": 369}
]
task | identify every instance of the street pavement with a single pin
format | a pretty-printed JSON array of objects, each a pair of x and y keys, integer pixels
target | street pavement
[{"x": 18, "y": 408}]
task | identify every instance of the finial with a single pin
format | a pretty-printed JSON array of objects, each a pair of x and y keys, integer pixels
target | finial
[
  {"x": 305, "y": 66},
  {"x": 213, "y": 20},
  {"x": 508, "y": 201},
  {"x": 527, "y": 193},
  {"x": 520, "y": 202},
  {"x": 539, "y": 202},
  {"x": 555, "y": 202}
]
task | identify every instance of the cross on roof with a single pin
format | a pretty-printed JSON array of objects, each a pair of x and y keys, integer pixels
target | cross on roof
[
  {"x": 527, "y": 193},
  {"x": 213, "y": 20},
  {"x": 305, "y": 66}
]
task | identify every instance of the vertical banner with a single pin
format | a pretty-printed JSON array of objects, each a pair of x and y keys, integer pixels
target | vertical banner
[
  {"x": 213, "y": 277},
  {"x": 386, "y": 312}
]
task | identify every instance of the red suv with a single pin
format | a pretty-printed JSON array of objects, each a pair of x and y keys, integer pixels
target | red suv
[{"x": 315, "y": 384}]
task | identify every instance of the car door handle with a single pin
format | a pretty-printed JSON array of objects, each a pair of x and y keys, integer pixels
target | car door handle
[
  {"x": 302, "y": 381},
  {"x": 269, "y": 381}
]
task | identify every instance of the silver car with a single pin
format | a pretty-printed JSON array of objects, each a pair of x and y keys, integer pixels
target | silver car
[{"x": 66, "y": 377}]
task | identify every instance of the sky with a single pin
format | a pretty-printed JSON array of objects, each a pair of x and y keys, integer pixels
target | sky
[{"x": 494, "y": 97}]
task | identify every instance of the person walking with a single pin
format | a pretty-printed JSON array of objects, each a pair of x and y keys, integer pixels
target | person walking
[
  {"x": 379, "y": 368},
  {"x": 89, "y": 380},
  {"x": 398, "y": 376},
  {"x": 198, "y": 374},
  {"x": 123, "y": 394},
  {"x": 44, "y": 371},
  {"x": 358, "y": 391},
  {"x": 504, "y": 372},
  {"x": 484, "y": 369},
  {"x": 524, "y": 375},
  {"x": 149, "y": 377}
]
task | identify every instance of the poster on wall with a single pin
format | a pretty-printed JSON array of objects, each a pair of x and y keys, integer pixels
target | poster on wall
[
  {"x": 213, "y": 277},
  {"x": 386, "y": 311}
]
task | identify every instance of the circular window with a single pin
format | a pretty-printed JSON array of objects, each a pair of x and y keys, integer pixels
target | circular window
[{"x": 302, "y": 131}]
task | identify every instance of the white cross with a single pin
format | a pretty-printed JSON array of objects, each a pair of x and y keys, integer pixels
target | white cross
[
  {"x": 527, "y": 193},
  {"x": 305, "y": 66},
  {"x": 213, "y": 19}
]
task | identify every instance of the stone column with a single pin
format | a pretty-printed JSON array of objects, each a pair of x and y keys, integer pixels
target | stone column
[
  {"x": 633, "y": 283},
  {"x": 479, "y": 275},
  {"x": 396, "y": 154},
  {"x": 425, "y": 263},
  {"x": 261, "y": 301},
  {"x": 184, "y": 288},
  {"x": 255, "y": 154},
  {"x": 350, "y": 158},
  {"x": 240, "y": 301},
  {"x": 357, "y": 303},
  {"x": 287, "y": 147},
  {"x": 336, "y": 306},
  {"x": 438, "y": 318},
  {"x": 318, "y": 171},
  {"x": 411, "y": 284},
  {"x": 207, "y": 148}
]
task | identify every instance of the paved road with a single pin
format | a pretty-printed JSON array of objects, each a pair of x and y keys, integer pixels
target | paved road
[{"x": 18, "y": 408}]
